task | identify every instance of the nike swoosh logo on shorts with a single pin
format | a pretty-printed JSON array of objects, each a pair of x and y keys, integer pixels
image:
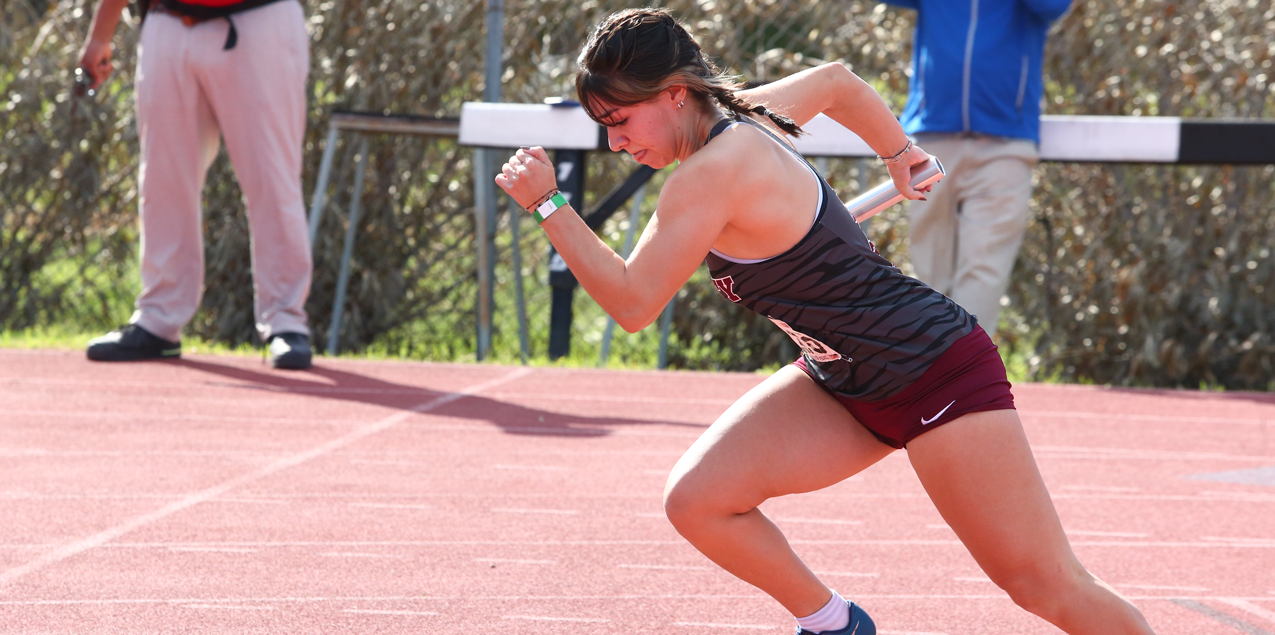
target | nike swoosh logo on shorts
[{"x": 926, "y": 422}]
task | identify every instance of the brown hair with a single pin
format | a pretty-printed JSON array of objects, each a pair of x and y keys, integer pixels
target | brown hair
[{"x": 635, "y": 54}]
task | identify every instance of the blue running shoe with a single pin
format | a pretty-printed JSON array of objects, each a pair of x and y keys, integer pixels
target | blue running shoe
[{"x": 860, "y": 624}]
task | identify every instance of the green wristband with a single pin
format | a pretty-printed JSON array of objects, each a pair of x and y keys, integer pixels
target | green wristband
[{"x": 548, "y": 207}]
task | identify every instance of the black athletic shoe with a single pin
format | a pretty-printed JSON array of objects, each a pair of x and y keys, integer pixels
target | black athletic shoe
[
  {"x": 132, "y": 343},
  {"x": 860, "y": 624},
  {"x": 290, "y": 351}
]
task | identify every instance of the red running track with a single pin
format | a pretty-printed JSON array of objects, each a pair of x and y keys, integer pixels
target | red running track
[{"x": 214, "y": 495}]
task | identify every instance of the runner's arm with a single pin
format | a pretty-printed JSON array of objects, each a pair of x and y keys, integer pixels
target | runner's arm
[
  {"x": 633, "y": 292},
  {"x": 832, "y": 89}
]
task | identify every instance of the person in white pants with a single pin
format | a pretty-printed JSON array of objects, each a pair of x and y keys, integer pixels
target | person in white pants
[{"x": 210, "y": 69}]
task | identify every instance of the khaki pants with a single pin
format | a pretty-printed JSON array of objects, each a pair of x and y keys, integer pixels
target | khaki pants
[
  {"x": 965, "y": 239},
  {"x": 189, "y": 92}
]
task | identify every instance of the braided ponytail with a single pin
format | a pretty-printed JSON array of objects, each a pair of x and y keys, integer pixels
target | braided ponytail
[
  {"x": 636, "y": 54},
  {"x": 734, "y": 103}
]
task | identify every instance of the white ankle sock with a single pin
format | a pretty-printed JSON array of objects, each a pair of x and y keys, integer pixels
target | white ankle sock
[{"x": 834, "y": 616}]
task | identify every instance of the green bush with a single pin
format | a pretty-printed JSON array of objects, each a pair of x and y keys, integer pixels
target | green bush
[{"x": 1130, "y": 274}]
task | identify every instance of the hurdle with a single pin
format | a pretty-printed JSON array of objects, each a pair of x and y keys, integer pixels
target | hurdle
[
  {"x": 564, "y": 128},
  {"x": 364, "y": 124}
]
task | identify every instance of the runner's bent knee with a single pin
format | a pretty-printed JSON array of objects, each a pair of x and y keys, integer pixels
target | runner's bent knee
[{"x": 692, "y": 497}]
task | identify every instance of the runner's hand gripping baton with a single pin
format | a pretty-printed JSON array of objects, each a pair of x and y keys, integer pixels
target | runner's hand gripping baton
[{"x": 881, "y": 197}]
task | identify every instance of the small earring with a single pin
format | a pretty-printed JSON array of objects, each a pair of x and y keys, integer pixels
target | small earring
[{"x": 680, "y": 104}]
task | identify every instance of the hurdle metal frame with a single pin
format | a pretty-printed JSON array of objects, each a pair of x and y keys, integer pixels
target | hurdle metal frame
[{"x": 365, "y": 124}]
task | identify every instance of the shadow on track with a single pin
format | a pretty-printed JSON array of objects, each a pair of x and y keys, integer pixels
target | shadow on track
[{"x": 347, "y": 386}]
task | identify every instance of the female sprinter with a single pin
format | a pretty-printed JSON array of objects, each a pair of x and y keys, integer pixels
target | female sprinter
[{"x": 888, "y": 363}]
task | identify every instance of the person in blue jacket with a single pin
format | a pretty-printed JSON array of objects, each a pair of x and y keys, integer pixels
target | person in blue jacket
[{"x": 974, "y": 102}]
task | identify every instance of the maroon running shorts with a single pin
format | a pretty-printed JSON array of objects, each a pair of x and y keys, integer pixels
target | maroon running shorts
[{"x": 968, "y": 377}]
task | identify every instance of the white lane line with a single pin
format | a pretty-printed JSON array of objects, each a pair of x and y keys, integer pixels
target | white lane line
[
  {"x": 1100, "y": 488},
  {"x": 1208, "y": 496},
  {"x": 1123, "y": 544},
  {"x": 999, "y": 597},
  {"x": 1101, "y": 417},
  {"x": 357, "y": 554},
  {"x": 1247, "y": 542},
  {"x": 42, "y": 453},
  {"x": 387, "y": 612},
  {"x": 847, "y": 574},
  {"x": 357, "y": 544},
  {"x": 228, "y": 607},
  {"x": 1123, "y": 418},
  {"x": 519, "y": 510},
  {"x": 819, "y": 521},
  {"x": 90, "y": 542},
  {"x": 937, "y": 526},
  {"x": 392, "y": 506},
  {"x": 610, "y": 398},
  {"x": 1107, "y": 534},
  {"x": 211, "y": 550},
  {"x": 47, "y": 416},
  {"x": 1220, "y": 616},
  {"x": 514, "y": 561},
  {"x": 666, "y": 567},
  {"x": 754, "y": 627},
  {"x": 392, "y": 463},
  {"x": 546, "y": 618},
  {"x": 232, "y": 385},
  {"x": 645, "y": 496},
  {"x": 32, "y": 496},
  {"x": 419, "y": 453},
  {"x": 545, "y": 468},
  {"x": 1162, "y": 459},
  {"x": 213, "y": 601},
  {"x": 250, "y": 501},
  {"x": 1241, "y": 495},
  {"x": 972, "y": 579},
  {"x": 1083, "y": 452},
  {"x": 908, "y": 633},
  {"x": 565, "y": 432},
  {"x": 1245, "y": 605},
  {"x": 1161, "y": 587},
  {"x": 1203, "y": 497}
]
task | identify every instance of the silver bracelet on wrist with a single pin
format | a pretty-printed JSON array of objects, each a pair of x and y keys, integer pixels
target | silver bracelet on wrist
[{"x": 896, "y": 158}]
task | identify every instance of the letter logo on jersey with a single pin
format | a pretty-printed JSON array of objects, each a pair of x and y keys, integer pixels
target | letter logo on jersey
[
  {"x": 817, "y": 350},
  {"x": 726, "y": 287}
]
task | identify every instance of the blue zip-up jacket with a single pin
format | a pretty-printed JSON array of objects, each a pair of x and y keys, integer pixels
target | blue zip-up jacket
[{"x": 977, "y": 65}]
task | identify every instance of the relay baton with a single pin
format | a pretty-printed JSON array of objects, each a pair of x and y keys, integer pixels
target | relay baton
[{"x": 881, "y": 197}]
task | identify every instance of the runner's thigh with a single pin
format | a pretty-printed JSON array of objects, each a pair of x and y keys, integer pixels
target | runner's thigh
[
  {"x": 981, "y": 475},
  {"x": 785, "y": 436}
]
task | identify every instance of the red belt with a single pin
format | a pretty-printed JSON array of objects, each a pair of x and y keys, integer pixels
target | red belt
[
  {"x": 232, "y": 37},
  {"x": 188, "y": 20}
]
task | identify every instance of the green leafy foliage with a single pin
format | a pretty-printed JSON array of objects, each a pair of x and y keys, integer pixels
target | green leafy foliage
[{"x": 1130, "y": 274}]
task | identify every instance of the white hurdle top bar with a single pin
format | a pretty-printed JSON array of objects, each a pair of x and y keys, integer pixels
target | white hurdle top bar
[
  {"x": 494, "y": 125},
  {"x": 1079, "y": 138}
]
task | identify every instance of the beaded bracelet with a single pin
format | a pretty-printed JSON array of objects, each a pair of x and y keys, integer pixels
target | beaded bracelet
[{"x": 540, "y": 201}]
